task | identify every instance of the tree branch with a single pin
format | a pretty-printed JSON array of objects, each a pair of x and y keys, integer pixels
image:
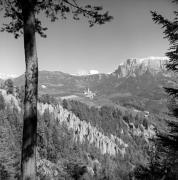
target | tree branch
[{"x": 100, "y": 18}]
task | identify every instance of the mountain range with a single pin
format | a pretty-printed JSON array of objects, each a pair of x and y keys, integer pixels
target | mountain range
[{"x": 136, "y": 83}]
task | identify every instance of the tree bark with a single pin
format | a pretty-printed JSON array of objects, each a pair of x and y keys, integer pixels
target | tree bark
[{"x": 29, "y": 140}]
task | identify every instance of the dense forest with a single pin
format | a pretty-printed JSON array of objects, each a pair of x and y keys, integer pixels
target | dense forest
[{"x": 60, "y": 156}]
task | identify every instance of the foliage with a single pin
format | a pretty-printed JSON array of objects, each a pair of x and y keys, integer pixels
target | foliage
[
  {"x": 4, "y": 172},
  {"x": 159, "y": 166},
  {"x": 108, "y": 118},
  {"x": 9, "y": 145},
  {"x": 171, "y": 33},
  {"x": 9, "y": 86},
  {"x": 53, "y": 10},
  {"x": 163, "y": 165},
  {"x": 111, "y": 120},
  {"x": 46, "y": 98},
  {"x": 2, "y": 103}
]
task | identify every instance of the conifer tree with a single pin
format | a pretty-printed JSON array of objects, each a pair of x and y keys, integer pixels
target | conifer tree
[
  {"x": 169, "y": 140},
  {"x": 24, "y": 20}
]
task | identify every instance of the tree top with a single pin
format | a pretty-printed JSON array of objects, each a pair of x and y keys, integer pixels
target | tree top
[{"x": 53, "y": 10}]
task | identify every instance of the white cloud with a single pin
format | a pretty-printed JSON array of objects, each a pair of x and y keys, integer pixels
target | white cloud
[{"x": 93, "y": 72}]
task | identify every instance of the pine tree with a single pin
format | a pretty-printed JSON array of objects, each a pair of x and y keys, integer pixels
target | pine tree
[
  {"x": 169, "y": 140},
  {"x": 24, "y": 20}
]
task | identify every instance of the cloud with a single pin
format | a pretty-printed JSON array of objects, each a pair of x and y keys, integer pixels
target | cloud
[{"x": 94, "y": 72}]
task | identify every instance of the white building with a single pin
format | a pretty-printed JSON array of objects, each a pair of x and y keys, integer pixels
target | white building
[{"x": 89, "y": 94}]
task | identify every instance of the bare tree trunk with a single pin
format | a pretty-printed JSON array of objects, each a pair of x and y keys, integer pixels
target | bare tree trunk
[{"x": 28, "y": 161}]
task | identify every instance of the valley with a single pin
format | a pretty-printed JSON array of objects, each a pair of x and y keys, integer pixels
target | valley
[{"x": 102, "y": 119}]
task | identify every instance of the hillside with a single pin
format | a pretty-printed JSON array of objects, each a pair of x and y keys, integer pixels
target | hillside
[{"x": 76, "y": 141}]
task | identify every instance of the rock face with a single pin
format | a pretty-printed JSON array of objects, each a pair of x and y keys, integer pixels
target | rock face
[
  {"x": 134, "y": 67},
  {"x": 84, "y": 131}
]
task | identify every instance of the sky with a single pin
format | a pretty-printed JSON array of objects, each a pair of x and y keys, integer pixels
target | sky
[{"x": 72, "y": 47}]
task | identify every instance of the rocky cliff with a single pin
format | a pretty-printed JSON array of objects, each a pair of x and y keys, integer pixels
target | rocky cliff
[
  {"x": 84, "y": 131},
  {"x": 134, "y": 67}
]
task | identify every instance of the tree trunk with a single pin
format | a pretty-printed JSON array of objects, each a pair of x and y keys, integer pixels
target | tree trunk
[{"x": 29, "y": 140}]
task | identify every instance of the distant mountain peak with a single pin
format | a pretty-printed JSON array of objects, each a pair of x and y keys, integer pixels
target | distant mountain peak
[
  {"x": 164, "y": 58},
  {"x": 138, "y": 66},
  {"x": 7, "y": 76}
]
